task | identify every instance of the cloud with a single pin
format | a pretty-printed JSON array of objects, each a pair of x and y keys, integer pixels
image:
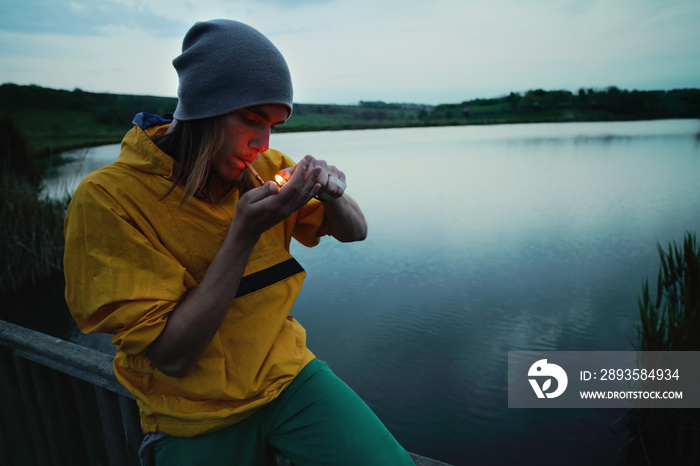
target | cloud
[
  {"x": 293, "y": 3},
  {"x": 83, "y": 18},
  {"x": 394, "y": 50}
]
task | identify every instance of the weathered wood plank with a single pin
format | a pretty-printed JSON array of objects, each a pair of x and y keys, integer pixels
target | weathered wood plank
[
  {"x": 70, "y": 436},
  {"x": 45, "y": 413},
  {"x": 132, "y": 427},
  {"x": 87, "y": 396},
  {"x": 13, "y": 431},
  {"x": 112, "y": 428},
  {"x": 31, "y": 411},
  {"x": 75, "y": 360},
  {"x": 89, "y": 417}
]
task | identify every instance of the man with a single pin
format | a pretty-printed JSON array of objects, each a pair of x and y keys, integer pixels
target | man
[{"x": 183, "y": 256}]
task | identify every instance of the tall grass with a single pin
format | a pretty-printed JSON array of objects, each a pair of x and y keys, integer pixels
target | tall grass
[
  {"x": 31, "y": 234},
  {"x": 31, "y": 227},
  {"x": 670, "y": 321}
]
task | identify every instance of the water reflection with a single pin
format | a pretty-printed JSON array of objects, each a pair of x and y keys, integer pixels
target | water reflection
[
  {"x": 62, "y": 179},
  {"x": 485, "y": 240}
]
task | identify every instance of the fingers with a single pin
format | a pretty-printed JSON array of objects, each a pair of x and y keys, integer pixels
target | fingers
[
  {"x": 333, "y": 190},
  {"x": 335, "y": 185},
  {"x": 303, "y": 181},
  {"x": 298, "y": 189},
  {"x": 310, "y": 178},
  {"x": 331, "y": 180},
  {"x": 263, "y": 192}
]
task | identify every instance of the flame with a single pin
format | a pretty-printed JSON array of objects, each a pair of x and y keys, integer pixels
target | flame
[{"x": 279, "y": 180}]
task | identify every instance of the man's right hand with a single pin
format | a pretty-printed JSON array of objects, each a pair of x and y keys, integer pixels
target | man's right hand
[{"x": 262, "y": 208}]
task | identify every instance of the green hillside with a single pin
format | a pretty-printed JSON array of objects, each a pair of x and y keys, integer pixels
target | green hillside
[{"x": 52, "y": 120}]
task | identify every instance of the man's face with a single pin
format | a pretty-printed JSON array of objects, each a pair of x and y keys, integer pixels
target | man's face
[{"x": 247, "y": 135}]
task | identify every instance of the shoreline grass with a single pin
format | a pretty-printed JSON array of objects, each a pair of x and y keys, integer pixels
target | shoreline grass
[
  {"x": 31, "y": 237},
  {"x": 670, "y": 321}
]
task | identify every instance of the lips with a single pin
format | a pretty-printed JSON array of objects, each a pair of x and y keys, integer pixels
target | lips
[{"x": 237, "y": 163}]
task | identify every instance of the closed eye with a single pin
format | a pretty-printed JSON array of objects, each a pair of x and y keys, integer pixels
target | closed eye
[
  {"x": 256, "y": 116},
  {"x": 250, "y": 118}
]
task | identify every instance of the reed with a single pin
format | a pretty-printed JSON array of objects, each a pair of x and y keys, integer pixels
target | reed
[
  {"x": 31, "y": 234},
  {"x": 669, "y": 321}
]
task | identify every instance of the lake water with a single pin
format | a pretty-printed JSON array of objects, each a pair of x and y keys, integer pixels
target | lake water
[{"x": 484, "y": 240}]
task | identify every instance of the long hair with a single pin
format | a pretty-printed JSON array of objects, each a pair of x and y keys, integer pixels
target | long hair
[{"x": 195, "y": 144}]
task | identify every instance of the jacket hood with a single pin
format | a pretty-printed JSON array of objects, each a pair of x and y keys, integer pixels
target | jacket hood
[{"x": 140, "y": 152}]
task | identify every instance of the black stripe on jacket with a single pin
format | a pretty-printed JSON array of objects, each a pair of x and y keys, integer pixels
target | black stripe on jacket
[{"x": 269, "y": 276}]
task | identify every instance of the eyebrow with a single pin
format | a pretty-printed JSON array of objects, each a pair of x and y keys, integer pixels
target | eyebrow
[{"x": 263, "y": 114}]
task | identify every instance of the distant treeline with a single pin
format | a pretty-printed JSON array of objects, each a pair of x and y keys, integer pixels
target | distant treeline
[
  {"x": 52, "y": 120},
  {"x": 616, "y": 103}
]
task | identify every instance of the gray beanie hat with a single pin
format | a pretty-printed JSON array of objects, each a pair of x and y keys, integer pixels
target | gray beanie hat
[{"x": 225, "y": 66}]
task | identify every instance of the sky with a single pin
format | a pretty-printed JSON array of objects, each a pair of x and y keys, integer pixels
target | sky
[{"x": 345, "y": 51}]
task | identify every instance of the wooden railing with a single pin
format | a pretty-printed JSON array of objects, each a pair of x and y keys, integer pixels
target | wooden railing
[{"x": 60, "y": 404}]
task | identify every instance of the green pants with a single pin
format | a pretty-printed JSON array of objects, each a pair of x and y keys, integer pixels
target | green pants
[{"x": 317, "y": 420}]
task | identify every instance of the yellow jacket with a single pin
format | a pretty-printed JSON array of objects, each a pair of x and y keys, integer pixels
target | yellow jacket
[{"x": 130, "y": 257}]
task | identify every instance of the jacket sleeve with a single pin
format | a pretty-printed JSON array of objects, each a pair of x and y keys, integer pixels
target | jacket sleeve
[
  {"x": 119, "y": 279},
  {"x": 310, "y": 224}
]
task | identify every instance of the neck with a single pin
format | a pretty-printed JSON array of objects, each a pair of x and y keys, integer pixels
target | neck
[{"x": 218, "y": 188}]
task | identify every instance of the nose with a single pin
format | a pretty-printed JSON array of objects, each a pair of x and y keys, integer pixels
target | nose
[{"x": 261, "y": 140}]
